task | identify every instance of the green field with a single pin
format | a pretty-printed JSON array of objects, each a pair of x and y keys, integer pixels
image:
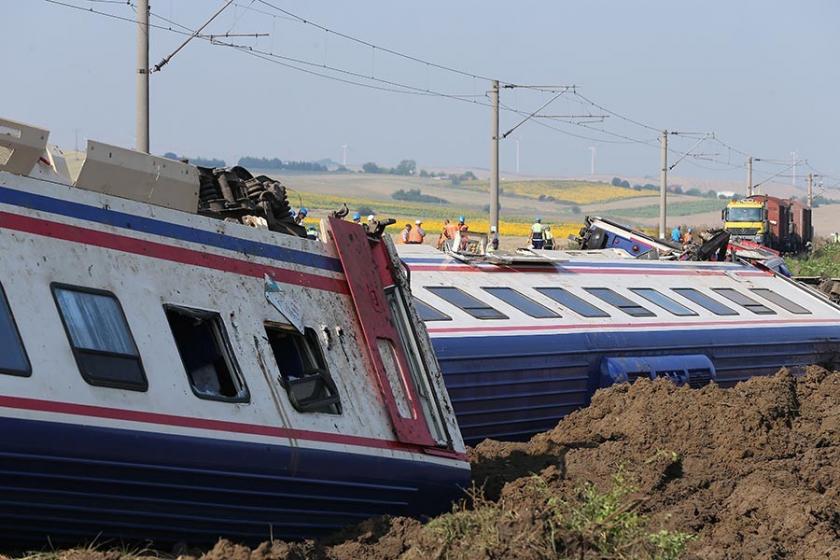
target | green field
[
  {"x": 326, "y": 203},
  {"x": 674, "y": 209},
  {"x": 824, "y": 262},
  {"x": 556, "y": 201}
]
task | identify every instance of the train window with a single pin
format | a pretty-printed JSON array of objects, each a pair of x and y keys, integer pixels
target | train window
[
  {"x": 523, "y": 303},
  {"x": 13, "y": 359},
  {"x": 781, "y": 301},
  {"x": 737, "y": 297},
  {"x": 205, "y": 351},
  {"x": 303, "y": 371},
  {"x": 429, "y": 313},
  {"x": 617, "y": 300},
  {"x": 573, "y": 302},
  {"x": 663, "y": 301},
  {"x": 100, "y": 338},
  {"x": 465, "y": 301},
  {"x": 705, "y": 301}
]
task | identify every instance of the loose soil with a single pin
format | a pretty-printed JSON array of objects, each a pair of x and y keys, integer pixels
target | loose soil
[{"x": 751, "y": 472}]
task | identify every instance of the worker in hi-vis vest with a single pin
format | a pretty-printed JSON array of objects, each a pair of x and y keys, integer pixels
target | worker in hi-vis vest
[
  {"x": 417, "y": 234},
  {"x": 537, "y": 239}
]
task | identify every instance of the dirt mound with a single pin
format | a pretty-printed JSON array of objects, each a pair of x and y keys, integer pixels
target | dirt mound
[
  {"x": 647, "y": 471},
  {"x": 752, "y": 471}
]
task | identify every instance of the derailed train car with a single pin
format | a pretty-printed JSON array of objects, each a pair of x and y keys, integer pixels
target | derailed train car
[
  {"x": 524, "y": 341},
  {"x": 170, "y": 376}
]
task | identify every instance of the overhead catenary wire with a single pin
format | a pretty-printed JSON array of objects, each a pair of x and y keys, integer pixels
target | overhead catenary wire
[
  {"x": 395, "y": 86},
  {"x": 775, "y": 175},
  {"x": 374, "y": 82},
  {"x": 615, "y": 114},
  {"x": 194, "y": 34},
  {"x": 374, "y": 46}
]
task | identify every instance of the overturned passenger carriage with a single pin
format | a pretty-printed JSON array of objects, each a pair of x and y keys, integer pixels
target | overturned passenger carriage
[
  {"x": 523, "y": 340},
  {"x": 170, "y": 376}
]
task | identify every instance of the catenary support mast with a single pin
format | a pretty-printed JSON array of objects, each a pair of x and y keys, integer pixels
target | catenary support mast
[
  {"x": 663, "y": 187},
  {"x": 142, "y": 123},
  {"x": 494, "y": 156}
]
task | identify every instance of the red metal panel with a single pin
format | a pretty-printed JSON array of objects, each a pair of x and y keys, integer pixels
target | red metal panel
[{"x": 363, "y": 266}]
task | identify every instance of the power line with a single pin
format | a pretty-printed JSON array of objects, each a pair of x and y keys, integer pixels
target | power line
[
  {"x": 775, "y": 175},
  {"x": 373, "y": 45},
  {"x": 381, "y": 84},
  {"x": 613, "y": 113},
  {"x": 113, "y": 16},
  {"x": 290, "y": 61},
  {"x": 410, "y": 88},
  {"x": 627, "y": 139}
]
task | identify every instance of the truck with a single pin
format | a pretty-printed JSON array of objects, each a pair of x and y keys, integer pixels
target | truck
[{"x": 781, "y": 224}]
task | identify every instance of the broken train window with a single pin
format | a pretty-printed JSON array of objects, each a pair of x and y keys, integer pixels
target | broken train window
[
  {"x": 303, "y": 370},
  {"x": 206, "y": 354}
]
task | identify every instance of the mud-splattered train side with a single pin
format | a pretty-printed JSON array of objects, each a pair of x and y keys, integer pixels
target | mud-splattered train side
[{"x": 175, "y": 377}]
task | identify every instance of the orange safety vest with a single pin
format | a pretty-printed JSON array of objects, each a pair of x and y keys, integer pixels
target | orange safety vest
[
  {"x": 415, "y": 235},
  {"x": 450, "y": 230}
]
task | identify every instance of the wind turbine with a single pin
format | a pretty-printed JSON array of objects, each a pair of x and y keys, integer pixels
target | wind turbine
[
  {"x": 344, "y": 154},
  {"x": 592, "y": 161}
]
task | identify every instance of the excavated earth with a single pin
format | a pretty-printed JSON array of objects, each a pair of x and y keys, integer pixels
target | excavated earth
[{"x": 751, "y": 472}]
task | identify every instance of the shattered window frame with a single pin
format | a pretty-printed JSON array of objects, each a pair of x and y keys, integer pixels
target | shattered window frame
[
  {"x": 312, "y": 388},
  {"x": 224, "y": 352}
]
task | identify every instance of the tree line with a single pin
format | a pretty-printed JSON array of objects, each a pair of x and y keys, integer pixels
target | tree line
[{"x": 676, "y": 189}]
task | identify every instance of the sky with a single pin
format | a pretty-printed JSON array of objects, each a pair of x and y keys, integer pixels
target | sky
[{"x": 761, "y": 75}]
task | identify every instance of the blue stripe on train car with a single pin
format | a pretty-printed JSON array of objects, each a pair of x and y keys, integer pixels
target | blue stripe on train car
[
  {"x": 66, "y": 482},
  {"x": 165, "y": 229},
  {"x": 512, "y": 387}
]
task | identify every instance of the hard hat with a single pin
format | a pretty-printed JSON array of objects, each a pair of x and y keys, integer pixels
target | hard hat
[
  {"x": 418, "y": 222},
  {"x": 371, "y": 217},
  {"x": 461, "y": 218},
  {"x": 492, "y": 229},
  {"x": 357, "y": 217},
  {"x": 303, "y": 211}
]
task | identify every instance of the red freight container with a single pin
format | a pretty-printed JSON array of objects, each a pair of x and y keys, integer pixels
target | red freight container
[
  {"x": 801, "y": 230},
  {"x": 777, "y": 215},
  {"x": 790, "y": 223}
]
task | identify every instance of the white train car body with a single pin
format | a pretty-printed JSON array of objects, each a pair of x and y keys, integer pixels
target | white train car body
[
  {"x": 522, "y": 345},
  {"x": 167, "y": 376}
]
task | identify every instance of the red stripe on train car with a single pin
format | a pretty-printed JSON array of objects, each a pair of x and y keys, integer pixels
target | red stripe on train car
[
  {"x": 156, "y": 250},
  {"x": 162, "y": 419}
]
